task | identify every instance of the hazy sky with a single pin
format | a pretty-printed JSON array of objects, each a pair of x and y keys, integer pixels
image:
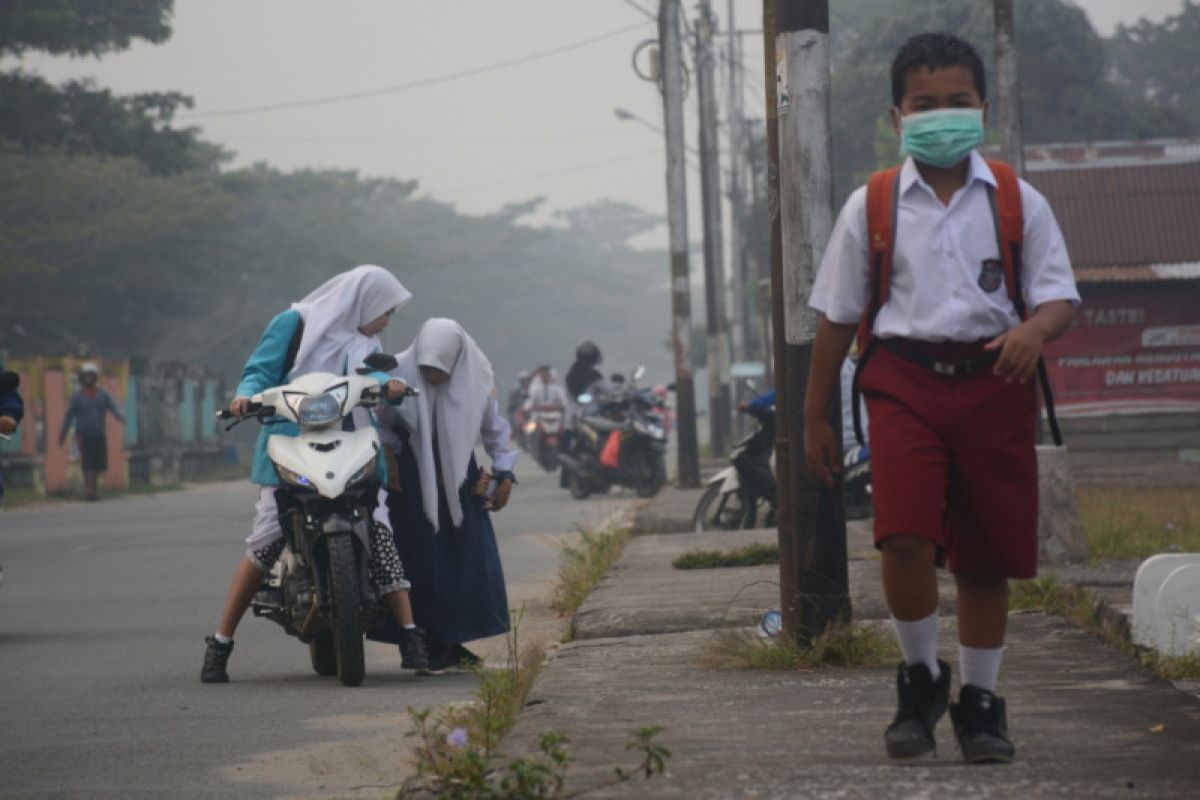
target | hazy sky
[{"x": 543, "y": 127}]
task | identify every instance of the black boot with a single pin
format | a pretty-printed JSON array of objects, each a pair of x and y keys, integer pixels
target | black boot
[
  {"x": 981, "y": 725},
  {"x": 412, "y": 652},
  {"x": 921, "y": 702},
  {"x": 216, "y": 656}
]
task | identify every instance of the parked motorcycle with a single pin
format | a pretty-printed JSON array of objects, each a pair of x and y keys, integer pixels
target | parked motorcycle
[
  {"x": 542, "y": 433},
  {"x": 319, "y": 590},
  {"x": 619, "y": 441},
  {"x": 743, "y": 493}
]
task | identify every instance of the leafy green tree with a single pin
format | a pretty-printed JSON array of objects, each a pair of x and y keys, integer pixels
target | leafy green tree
[
  {"x": 1157, "y": 62},
  {"x": 78, "y": 117}
]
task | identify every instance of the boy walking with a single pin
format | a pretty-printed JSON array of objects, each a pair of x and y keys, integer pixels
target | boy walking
[
  {"x": 86, "y": 413},
  {"x": 936, "y": 278}
]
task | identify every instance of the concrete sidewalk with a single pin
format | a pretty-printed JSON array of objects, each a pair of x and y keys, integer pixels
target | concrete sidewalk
[{"x": 1087, "y": 721}]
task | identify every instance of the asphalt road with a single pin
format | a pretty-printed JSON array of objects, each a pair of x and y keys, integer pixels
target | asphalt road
[{"x": 103, "y": 612}]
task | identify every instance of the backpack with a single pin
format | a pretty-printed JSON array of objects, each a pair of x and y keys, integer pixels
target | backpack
[{"x": 883, "y": 202}]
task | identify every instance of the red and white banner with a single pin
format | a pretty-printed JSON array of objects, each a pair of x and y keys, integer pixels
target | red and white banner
[{"x": 1132, "y": 351}]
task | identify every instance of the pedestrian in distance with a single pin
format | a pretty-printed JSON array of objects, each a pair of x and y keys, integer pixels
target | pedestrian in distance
[
  {"x": 935, "y": 264},
  {"x": 333, "y": 329},
  {"x": 440, "y": 513},
  {"x": 86, "y": 413},
  {"x": 12, "y": 409}
]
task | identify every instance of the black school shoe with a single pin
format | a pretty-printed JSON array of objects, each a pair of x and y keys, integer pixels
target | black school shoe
[
  {"x": 216, "y": 656},
  {"x": 981, "y": 725},
  {"x": 921, "y": 702},
  {"x": 412, "y": 652}
]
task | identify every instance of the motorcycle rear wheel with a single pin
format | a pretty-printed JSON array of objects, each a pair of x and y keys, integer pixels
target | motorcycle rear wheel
[
  {"x": 323, "y": 655},
  {"x": 577, "y": 486},
  {"x": 722, "y": 511},
  {"x": 347, "y": 610}
]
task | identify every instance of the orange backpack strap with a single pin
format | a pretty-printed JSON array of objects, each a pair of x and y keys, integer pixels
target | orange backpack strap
[
  {"x": 883, "y": 200},
  {"x": 1005, "y": 200},
  {"x": 883, "y": 191}
]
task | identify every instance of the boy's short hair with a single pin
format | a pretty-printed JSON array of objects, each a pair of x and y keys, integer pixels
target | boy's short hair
[{"x": 935, "y": 51}]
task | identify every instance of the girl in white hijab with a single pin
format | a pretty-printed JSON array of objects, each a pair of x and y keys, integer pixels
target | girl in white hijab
[
  {"x": 331, "y": 330},
  {"x": 439, "y": 515}
]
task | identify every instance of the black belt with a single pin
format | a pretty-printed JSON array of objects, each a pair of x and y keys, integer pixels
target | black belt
[{"x": 950, "y": 367}]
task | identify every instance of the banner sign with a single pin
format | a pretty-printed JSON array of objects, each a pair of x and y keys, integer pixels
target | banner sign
[{"x": 1132, "y": 351}]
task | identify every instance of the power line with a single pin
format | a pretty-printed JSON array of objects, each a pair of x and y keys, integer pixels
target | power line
[
  {"x": 404, "y": 87},
  {"x": 644, "y": 11}
]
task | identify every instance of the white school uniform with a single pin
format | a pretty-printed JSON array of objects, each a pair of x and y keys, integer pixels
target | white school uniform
[{"x": 935, "y": 293}]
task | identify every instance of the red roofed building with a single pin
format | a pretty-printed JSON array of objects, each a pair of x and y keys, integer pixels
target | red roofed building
[{"x": 1127, "y": 374}]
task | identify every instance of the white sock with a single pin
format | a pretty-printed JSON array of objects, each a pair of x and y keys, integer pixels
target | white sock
[
  {"x": 980, "y": 665},
  {"x": 222, "y": 638},
  {"x": 410, "y": 626},
  {"x": 918, "y": 642}
]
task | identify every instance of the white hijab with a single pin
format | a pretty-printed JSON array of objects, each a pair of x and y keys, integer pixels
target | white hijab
[
  {"x": 456, "y": 407},
  {"x": 335, "y": 310}
]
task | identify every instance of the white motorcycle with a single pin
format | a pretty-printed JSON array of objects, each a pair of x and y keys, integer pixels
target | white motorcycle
[
  {"x": 320, "y": 591},
  {"x": 542, "y": 434}
]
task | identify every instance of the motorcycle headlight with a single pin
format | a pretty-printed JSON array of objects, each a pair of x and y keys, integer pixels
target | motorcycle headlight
[
  {"x": 364, "y": 472},
  {"x": 294, "y": 478},
  {"x": 530, "y": 427},
  {"x": 320, "y": 409}
]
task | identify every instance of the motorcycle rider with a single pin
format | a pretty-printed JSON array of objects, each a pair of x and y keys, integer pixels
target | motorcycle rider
[
  {"x": 545, "y": 389},
  {"x": 583, "y": 372},
  {"x": 331, "y": 330}
]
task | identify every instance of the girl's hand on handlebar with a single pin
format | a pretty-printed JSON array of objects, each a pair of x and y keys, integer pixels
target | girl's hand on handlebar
[
  {"x": 394, "y": 389},
  {"x": 240, "y": 406}
]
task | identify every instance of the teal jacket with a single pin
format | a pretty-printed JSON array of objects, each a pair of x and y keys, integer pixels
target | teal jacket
[{"x": 263, "y": 370}]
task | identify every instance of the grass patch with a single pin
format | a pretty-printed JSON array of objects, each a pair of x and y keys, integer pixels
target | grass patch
[
  {"x": 584, "y": 564},
  {"x": 1080, "y": 608},
  {"x": 751, "y": 555},
  {"x": 855, "y": 645},
  {"x": 1138, "y": 522}
]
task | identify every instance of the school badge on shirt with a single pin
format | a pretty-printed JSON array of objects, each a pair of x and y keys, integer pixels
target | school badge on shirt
[{"x": 991, "y": 275}]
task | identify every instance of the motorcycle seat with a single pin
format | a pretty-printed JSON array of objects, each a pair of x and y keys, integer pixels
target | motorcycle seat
[{"x": 602, "y": 424}]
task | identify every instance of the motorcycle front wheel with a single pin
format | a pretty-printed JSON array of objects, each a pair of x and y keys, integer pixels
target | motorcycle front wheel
[
  {"x": 654, "y": 475},
  {"x": 323, "y": 655},
  {"x": 577, "y": 485},
  {"x": 347, "y": 609},
  {"x": 720, "y": 510}
]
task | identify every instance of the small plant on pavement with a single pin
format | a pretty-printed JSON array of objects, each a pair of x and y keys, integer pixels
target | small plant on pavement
[
  {"x": 840, "y": 646},
  {"x": 584, "y": 565},
  {"x": 751, "y": 555}
]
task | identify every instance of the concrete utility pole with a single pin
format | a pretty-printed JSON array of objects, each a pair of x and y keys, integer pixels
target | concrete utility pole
[
  {"x": 671, "y": 54},
  {"x": 716, "y": 327},
  {"x": 742, "y": 316},
  {"x": 1008, "y": 87},
  {"x": 813, "y": 572}
]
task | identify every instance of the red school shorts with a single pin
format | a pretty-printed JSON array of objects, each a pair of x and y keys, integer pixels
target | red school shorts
[{"x": 953, "y": 461}]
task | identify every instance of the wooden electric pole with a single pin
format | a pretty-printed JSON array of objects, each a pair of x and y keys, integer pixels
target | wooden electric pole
[
  {"x": 671, "y": 54},
  {"x": 813, "y": 572}
]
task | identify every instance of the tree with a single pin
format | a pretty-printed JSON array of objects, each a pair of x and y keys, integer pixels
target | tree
[
  {"x": 77, "y": 117},
  {"x": 1157, "y": 62}
]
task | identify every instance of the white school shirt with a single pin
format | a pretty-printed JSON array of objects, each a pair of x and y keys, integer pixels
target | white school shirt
[{"x": 939, "y": 254}]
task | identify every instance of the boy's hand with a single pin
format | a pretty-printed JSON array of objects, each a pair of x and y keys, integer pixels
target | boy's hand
[
  {"x": 1020, "y": 348},
  {"x": 7, "y": 425},
  {"x": 821, "y": 451}
]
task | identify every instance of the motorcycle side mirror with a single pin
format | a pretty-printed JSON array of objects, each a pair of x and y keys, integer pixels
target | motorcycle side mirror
[
  {"x": 9, "y": 381},
  {"x": 381, "y": 362},
  {"x": 584, "y": 398},
  {"x": 751, "y": 384},
  {"x": 639, "y": 373},
  {"x": 671, "y": 386},
  {"x": 617, "y": 377}
]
